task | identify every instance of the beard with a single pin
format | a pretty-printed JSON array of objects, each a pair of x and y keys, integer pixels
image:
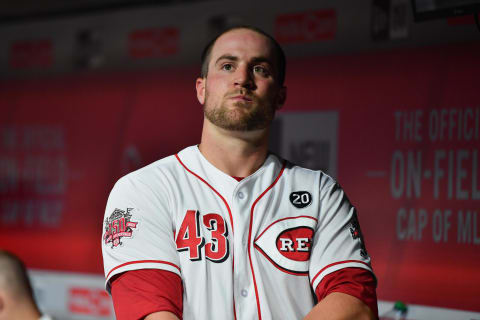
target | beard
[{"x": 240, "y": 116}]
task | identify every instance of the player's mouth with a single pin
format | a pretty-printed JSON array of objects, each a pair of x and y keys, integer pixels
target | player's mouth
[{"x": 242, "y": 98}]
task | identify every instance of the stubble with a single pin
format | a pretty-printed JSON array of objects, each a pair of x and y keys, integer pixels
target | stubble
[{"x": 240, "y": 116}]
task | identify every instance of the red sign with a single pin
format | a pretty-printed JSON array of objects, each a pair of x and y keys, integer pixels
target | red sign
[
  {"x": 153, "y": 43},
  {"x": 89, "y": 301},
  {"x": 311, "y": 26},
  {"x": 31, "y": 54}
]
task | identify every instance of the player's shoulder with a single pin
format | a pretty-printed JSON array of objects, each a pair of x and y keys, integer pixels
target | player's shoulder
[
  {"x": 158, "y": 173},
  {"x": 148, "y": 172},
  {"x": 294, "y": 170}
]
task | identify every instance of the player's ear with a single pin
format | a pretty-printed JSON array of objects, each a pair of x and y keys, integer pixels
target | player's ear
[
  {"x": 281, "y": 97},
  {"x": 200, "y": 86}
]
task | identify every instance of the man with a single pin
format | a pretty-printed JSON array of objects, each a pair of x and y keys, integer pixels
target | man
[
  {"x": 16, "y": 295},
  {"x": 226, "y": 230}
]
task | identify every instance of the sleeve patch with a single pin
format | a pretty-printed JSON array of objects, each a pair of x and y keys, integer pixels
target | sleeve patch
[
  {"x": 118, "y": 226},
  {"x": 356, "y": 233}
]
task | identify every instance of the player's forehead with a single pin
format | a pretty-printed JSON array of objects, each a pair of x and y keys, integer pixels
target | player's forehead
[{"x": 243, "y": 44}]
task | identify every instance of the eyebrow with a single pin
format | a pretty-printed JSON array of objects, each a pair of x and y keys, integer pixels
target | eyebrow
[
  {"x": 262, "y": 59},
  {"x": 226, "y": 57},
  {"x": 234, "y": 58}
]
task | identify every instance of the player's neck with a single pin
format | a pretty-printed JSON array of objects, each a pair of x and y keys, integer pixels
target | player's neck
[{"x": 237, "y": 154}]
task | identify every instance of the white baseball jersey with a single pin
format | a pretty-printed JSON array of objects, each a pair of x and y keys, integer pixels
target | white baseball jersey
[{"x": 252, "y": 249}]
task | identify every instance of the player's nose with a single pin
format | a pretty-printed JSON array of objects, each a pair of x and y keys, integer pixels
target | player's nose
[{"x": 244, "y": 78}]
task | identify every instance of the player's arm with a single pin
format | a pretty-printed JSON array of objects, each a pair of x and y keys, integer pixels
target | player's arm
[
  {"x": 348, "y": 293},
  {"x": 162, "y": 315},
  {"x": 340, "y": 306},
  {"x": 340, "y": 269},
  {"x": 142, "y": 272}
]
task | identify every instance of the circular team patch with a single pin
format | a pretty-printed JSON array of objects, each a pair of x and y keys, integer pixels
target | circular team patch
[
  {"x": 287, "y": 243},
  {"x": 301, "y": 199}
]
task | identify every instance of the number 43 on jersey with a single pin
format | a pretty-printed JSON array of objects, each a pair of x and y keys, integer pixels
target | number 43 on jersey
[{"x": 191, "y": 239}]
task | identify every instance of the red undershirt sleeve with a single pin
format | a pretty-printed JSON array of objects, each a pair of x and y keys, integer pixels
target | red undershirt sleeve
[
  {"x": 356, "y": 282},
  {"x": 138, "y": 293}
]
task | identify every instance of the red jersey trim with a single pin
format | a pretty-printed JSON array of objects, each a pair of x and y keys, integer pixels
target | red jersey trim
[
  {"x": 354, "y": 281},
  {"x": 336, "y": 263},
  {"x": 229, "y": 213},
  {"x": 250, "y": 238},
  {"x": 138, "y": 293},
  {"x": 142, "y": 261}
]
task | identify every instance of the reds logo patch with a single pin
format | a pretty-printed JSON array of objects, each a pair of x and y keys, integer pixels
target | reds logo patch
[
  {"x": 117, "y": 226},
  {"x": 287, "y": 243}
]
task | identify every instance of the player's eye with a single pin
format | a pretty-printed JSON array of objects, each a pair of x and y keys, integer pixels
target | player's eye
[
  {"x": 261, "y": 70},
  {"x": 227, "y": 67}
]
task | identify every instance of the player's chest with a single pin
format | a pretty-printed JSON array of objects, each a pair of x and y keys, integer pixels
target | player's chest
[{"x": 277, "y": 223}]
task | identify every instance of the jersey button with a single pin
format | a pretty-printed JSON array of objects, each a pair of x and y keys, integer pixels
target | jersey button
[
  {"x": 244, "y": 293},
  {"x": 241, "y": 195}
]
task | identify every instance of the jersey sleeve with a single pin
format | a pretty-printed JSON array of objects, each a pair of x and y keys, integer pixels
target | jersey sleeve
[
  {"x": 338, "y": 241},
  {"x": 359, "y": 283},
  {"x": 138, "y": 293},
  {"x": 138, "y": 231}
]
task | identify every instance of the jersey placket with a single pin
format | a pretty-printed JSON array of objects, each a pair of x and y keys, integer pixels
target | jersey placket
[
  {"x": 248, "y": 192},
  {"x": 244, "y": 294}
]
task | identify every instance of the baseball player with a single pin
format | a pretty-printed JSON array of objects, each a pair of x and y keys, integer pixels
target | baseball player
[{"x": 227, "y": 230}]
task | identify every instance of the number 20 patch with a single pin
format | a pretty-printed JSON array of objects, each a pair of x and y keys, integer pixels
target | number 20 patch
[
  {"x": 301, "y": 199},
  {"x": 191, "y": 239}
]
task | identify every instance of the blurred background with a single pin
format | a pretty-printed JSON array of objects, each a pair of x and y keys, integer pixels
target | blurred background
[{"x": 382, "y": 94}]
